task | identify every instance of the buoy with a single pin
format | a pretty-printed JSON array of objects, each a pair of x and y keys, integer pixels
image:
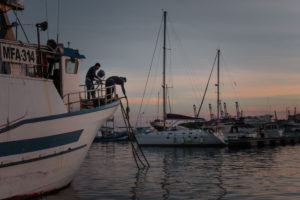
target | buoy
[{"x": 201, "y": 139}]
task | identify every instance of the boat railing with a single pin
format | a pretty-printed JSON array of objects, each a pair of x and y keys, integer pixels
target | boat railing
[{"x": 79, "y": 100}]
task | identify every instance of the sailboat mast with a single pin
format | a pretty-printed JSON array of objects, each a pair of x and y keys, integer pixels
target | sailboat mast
[
  {"x": 218, "y": 85},
  {"x": 164, "y": 69},
  {"x": 157, "y": 106}
]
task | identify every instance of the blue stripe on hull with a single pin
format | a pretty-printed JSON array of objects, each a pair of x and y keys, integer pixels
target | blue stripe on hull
[
  {"x": 41, "y": 158},
  {"x": 58, "y": 116},
  {"x": 36, "y": 144}
]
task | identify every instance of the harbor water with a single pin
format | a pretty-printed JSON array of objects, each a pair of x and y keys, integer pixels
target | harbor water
[{"x": 109, "y": 172}]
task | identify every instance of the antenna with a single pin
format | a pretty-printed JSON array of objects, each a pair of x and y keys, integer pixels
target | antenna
[
  {"x": 225, "y": 110},
  {"x": 237, "y": 109},
  {"x": 275, "y": 114},
  {"x": 58, "y": 12},
  {"x": 46, "y": 5},
  {"x": 210, "y": 112},
  {"x": 195, "y": 110}
]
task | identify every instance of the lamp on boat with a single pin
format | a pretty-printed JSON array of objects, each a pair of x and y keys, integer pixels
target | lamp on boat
[{"x": 41, "y": 26}]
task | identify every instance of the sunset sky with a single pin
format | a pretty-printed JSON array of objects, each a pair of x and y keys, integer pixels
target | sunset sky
[{"x": 259, "y": 42}]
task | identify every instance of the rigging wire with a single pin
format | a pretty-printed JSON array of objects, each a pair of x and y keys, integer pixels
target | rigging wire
[
  {"x": 233, "y": 84},
  {"x": 151, "y": 91},
  {"x": 58, "y": 15},
  {"x": 144, "y": 92},
  {"x": 171, "y": 74},
  {"x": 16, "y": 26},
  {"x": 212, "y": 69},
  {"x": 46, "y": 5},
  {"x": 19, "y": 22},
  {"x": 196, "y": 91}
]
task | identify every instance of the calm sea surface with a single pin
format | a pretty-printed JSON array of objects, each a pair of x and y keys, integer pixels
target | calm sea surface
[{"x": 109, "y": 172}]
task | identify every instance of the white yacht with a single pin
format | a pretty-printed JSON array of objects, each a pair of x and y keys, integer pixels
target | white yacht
[{"x": 177, "y": 135}]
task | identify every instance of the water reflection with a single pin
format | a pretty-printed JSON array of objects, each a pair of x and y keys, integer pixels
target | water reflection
[
  {"x": 165, "y": 179},
  {"x": 140, "y": 178},
  {"x": 109, "y": 172}
]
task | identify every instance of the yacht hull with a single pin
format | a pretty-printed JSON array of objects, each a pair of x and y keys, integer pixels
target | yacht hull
[{"x": 180, "y": 138}]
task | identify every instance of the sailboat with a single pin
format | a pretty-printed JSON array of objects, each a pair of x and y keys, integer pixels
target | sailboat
[
  {"x": 178, "y": 135},
  {"x": 232, "y": 128},
  {"x": 159, "y": 124},
  {"x": 46, "y": 122}
]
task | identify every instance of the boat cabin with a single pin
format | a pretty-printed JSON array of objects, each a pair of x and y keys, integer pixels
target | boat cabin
[{"x": 50, "y": 62}]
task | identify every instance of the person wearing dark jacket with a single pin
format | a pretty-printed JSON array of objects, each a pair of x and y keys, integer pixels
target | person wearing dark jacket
[
  {"x": 90, "y": 77},
  {"x": 110, "y": 82}
]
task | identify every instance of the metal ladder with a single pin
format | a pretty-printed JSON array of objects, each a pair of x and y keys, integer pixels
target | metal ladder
[{"x": 138, "y": 154}]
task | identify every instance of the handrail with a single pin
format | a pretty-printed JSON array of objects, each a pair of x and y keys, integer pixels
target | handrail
[{"x": 103, "y": 95}]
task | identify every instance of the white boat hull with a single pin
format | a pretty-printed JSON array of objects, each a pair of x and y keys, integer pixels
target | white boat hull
[
  {"x": 43, "y": 154},
  {"x": 180, "y": 138}
]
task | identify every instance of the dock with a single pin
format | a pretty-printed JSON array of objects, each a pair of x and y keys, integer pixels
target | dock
[{"x": 261, "y": 142}]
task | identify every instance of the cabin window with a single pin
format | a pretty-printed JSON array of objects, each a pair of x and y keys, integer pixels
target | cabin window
[
  {"x": 4, "y": 68},
  {"x": 71, "y": 66}
]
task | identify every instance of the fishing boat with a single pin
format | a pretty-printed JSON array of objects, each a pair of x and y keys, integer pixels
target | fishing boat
[
  {"x": 178, "y": 135},
  {"x": 113, "y": 136},
  {"x": 108, "y": 132},
  {"x": 46, "y": 122}
]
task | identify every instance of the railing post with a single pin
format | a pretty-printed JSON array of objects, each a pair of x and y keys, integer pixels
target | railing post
[
  {"x": 111, "y": 94},
  {"x": 68, "y": 102},
  {"x": 115, "y": 92},
  {"x": 85, "y": 92},
  {"x": 80, "y": 102},
  {"x": 98, "y": 97},
  {"x": 105, "y": 95}
]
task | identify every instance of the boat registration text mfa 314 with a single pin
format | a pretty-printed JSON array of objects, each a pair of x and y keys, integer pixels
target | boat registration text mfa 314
[{"x": 17, "y": 54}]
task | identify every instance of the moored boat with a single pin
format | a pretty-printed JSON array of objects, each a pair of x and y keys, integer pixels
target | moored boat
[
  {"x": 46, "y": 123},
  {"x": 168, "y": 135}
]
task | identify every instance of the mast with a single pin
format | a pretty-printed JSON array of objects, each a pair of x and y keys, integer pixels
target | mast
[
  {"x": 221, "y": 110},
  {"x": 225, "y": 110},
  {"x": 164, "y": 70},
  {"x": 210, "y": 111},
  {"x": 158, "y": 105},
  {"x": 218, "y": 86},
  {"x": 6, "y": 31}
]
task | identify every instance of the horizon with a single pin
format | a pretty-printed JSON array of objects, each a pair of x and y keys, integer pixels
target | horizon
[{"x": 259, "y": 42}]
